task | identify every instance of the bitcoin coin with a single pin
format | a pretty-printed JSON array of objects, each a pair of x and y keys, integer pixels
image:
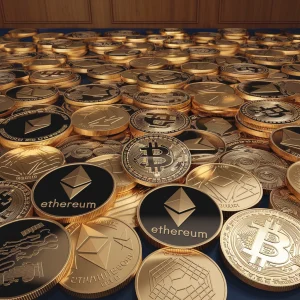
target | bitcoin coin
[
  {"x": 29, "y": 247},
  {"x": 169, "y": 122},
  {"x": 105, "y": 250},
  {"x": 182, "y": 221},
  {"x": 259, "y": 247},
  {"x": 207, "y": 87},
  {"x": 292, "y": 179},
  {"x": 91, "y": 94},
  {"x": 179, "y": 275},
  {"x": 35, "y": 127},
  {"x": 15, "y": 201},
  {"x": 156, "y": 159},
  {"x": 7, "y": 105},
  {"x": 100, "y": 120},
  {"x": 205, "y": 147}
]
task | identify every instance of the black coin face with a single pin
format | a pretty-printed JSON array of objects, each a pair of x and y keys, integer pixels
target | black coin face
[
  {"x": 73, "y": 190},
  {"x": 179, "y": 216},
  {"x": 33, "y": 252}
]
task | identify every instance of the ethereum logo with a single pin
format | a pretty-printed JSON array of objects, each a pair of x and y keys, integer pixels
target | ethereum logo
[
  {"x": 290, "y": 139},
  {"x": 200, "y": 144},
  {"x": 93, "y": 246},
  {"x": 28, "y": 92},
  {"x": 265, "y": 89},
  {"x": 218, "y": 125},
  {"x": 75, "y": 182},
  {"x": 179, "y": 206},
  {"x": 95, "y": 91},
  {"x": 37, "y": 124}
]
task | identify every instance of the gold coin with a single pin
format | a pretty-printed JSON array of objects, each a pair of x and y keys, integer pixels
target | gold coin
[
  {"x": 263, "y": 53},
  {"x": 173, "y": 56},
  {"x": 47, "y": 36},
  {"x": 100, "y": 46},
  {"x": 142, "y": 47},
  {"x": 128, "y": 92},
  {"x": 121, "y": 54},
  {"x": 55, "y": 56},
  {"x": 42, "y": 64},
  {"x": 100, "y": 120},
  {"x": 51, "y": 76},
  {"x": 107, "y": 71},
  {"x": 82, "y": 35},
  {"x": 207, "y": 87},
  {"x": 19, "y": 58},
  {"x": 105, "y": 250},
  {"x": 291, "y": 69},
  {"x": 198, "y": 52},
  {"x": 257, "y": 259},
  {"x": 22, "y": 32},
  {"x": 244, "y": 71},
  {"x": 179, "y": 275},
  {"x": 151, "y": 121},
  {"x": 83, "y": 65},
  {"x": 112, "y": 163},
  {"x": 219, "y": 180},
  {"x": 7, "y": 105},
  {"x": 275, "y": 41},
  {"x": 19, "y": 47},
  {"x": 292, "y": 179},
  {"x": 130, "y": 76},
  {"x": 199, "y": 67},
  {"x": 206, "y": 36},
  {"x": 149, "y": 63},
  {"x": 7, "y": 80},
  {"x": 178, "y": 43},
  {"x": 276, "y": 61},
  {"x": 170, "y": 31}
]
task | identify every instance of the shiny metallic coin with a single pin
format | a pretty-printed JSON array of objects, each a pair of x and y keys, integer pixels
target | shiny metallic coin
[
  {"x": 121, "y": 54},
  {"x": 7, "y": 105},
  {"x": 83, "y": 65},
  {"x": 50, "y": 76},
  {"x": 128, "y": 92},
  {"x": 207, "y": 87},
  {"x": 228, "y": 60},
  {"x": 7, "y": 80},
  {"x": 22, "y": 76},
  {"x": 291, "y": 69},
  {"x": 292, "y": 179},
  {"x": 156, "y": 159},
  {"x": 127, "y": 107},
  {"x": 149, "y": 63},
  {"x": 107, "y": 71},
  {"x": 199, "y": 68},
  {"x": 82, "y": 35},
  {"x": 130, "y": 76},
  {"x": 22, "y": 32},
  {"x": 244, "y": 71}
]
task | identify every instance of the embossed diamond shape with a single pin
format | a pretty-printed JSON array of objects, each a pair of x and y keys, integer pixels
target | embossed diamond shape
[
  {"x": 37, "y": 124},
  {"x": 219, "y": 126}
]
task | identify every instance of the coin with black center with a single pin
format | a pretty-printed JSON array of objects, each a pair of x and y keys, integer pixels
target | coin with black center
[{"x": 74, "y": 193}]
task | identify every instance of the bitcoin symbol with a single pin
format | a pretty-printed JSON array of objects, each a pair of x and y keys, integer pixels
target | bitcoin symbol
[
  {"x": 157, "y": 157},
  {"x": 273, "y": 112},
  {"x": 159, "y": 120},
  {"x": 269, "y": 245}
]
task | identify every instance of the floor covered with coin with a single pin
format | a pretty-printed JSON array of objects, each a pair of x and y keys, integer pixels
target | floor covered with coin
[{"x": 150, "y": 164}]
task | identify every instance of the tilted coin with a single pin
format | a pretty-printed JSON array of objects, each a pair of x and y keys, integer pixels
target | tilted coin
[
  {"x": 275, "y": 41},
  {"x": 112, "y": 163},
  {"x": 207, "y": 87},
  {"x": 169, "y": 122},
  {"x": 276, "y": 61},
  {"x": 7, "y": 105},
  {"x": 170, "y": 31},
  {"x": 188, "y": 218},
  {"x": 47, "y": 36},
  {"x": 156, "y": 159},
  {"x": 285, "y": 142},
  {"x": 100, "y": 120},
  {"x": 28, "y": 94},
  {"x": 205, "y": 146},
  {"x": 180, "y": 275},
  {"x": 35, "y": 127},
  {"x": 216, "y": 78},
  {"x": 19, "y": 47},
  {"x": 15, "y": 201},
  {"x": 42, "y": 64},
  {"x": 106, "y": 71},
  {"x": 91, "y": 94},
  {"x": 262, "y": 144},
  {"x": 83, "y": 65},
  {"x": 50, "y": 76},
  {"x": 291, "y": 69},
  {"x": 200, "y": 52},
  {"x": 22, "y": 32},
  {"x": 292, "y": 179},
  {"x": 71, "y": 193},
  {"x": 283, "y": 200},
  {"x": 260, "y": 247},
  {"x": 149, "y": 63},
  {"x": 100, "y": 47},
  {"x": 28, "y": 164},
  {"x": 178, "y": 43},
  {"x": 228, "y": 60},
  {"x": 18, "y": 57},
  {"x": 69, "y": 47},
  {"x": 107, "y": 253},
  {"x": 29, "y": 247},
  {"x": 61, "y": 57},
  {"x": 233, "y": 188}
]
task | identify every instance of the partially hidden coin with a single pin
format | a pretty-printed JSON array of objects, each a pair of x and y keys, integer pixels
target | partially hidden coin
[
  {"x": 292, "y": 179},
  {"x": 36, "y": 107},
  {"x": 207, "y": 87},
  {"x": 7, "y": 105}
]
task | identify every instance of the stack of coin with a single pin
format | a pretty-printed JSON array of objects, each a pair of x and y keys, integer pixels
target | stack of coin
[
  {"x": 22, "y": 32},
  {"x": 205, "y": 37},
  {"x": 46, "y": 46},
  {"x": 239, "y": 35},
  {"x": 47, "y": 36},
  {"x": 199, "y": 52},
  {"x": 82, "y": 36},
  {"x": 19, "y": 47}
]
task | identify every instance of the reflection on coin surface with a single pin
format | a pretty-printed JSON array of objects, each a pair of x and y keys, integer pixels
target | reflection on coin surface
[
  {"x": 156, "y": 159},
  {"x": 28, "y": 164},
  {"x": 208, "y": 87},
  {"x": 179, "y": 276},
  {"x": 15, "y": 201},
  {"x": 29, "y": 247},
  {"x": 188, "y": 218},
  {"x": 71, "y": 193},
  {"x": 260, "y": 246},
  {"x": 107, "y": 253},
  {"x": 293, "y": 179}
]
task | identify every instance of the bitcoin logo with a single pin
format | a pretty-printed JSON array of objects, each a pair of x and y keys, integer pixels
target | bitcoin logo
[
  {"x": 276, "y": 111},
  {"x": 159, "y": 120},
  {"x": 269, "y": 245}
]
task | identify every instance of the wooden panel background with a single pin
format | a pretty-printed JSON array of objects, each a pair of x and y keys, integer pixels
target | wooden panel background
[{"x": 150, "y": 13}]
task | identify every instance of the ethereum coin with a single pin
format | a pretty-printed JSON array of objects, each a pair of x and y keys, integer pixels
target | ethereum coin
[
  {"x": 105, "y": 250},
  {"x": 207, "y": 88},
  {"x": 156, "y": 159},
  {"x": 130, "y": 76},
  {"x": 188, "y": 218},
  {"x": 260, "y": 246},
  {"x": 128, "y": 92},
  {"x": 71, "y": 193},
  {"x": 180, "y": 275}
]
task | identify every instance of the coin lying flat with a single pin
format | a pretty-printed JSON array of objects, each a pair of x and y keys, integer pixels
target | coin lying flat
[
  {"x": 22, "y": 32},
  {"x": 29, "y": 247},
  {"x": 27, "y": 164},
  {"x": 15, "y": 201},
  {"x": 260, "y": 247},
  {"x": 50, "y": 76},
  {"x": 207, "y": 87},
  {"x": 105, "y": 250},
  {"x": 169, "y": 122},
  {"x": 71, "y": 193},
  {"x": 130, "y": 76},
  {"x": 83, "y": 65},
  {"x": 82, "y": 35},
  {"x": 106, "y": 71},
  {"x": 36, "y": 107},
  {"x": 187, "y": 219},
  {"x": 149, "y": 63},
  {"x": 292, "y": 179},
  {"x": 100, "y": 120},
  {"x": 35, "y": 127},
  {"x": 179, "y": 275},
  {"x": 91, "y": 94}
]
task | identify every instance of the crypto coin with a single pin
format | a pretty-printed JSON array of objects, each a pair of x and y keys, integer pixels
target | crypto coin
[
  {"x": 262, "y": 144},
  {"x": 149, "y": 63},
  {"x": 156, "y": 159},
  {"x": 22, "y": 32},
  {"x": 127, "y": 107},
  {"x": 163, "y": 79},
  {"x": 105, "y": 250},
  {"x": 36, "y": 107},
  {"x": 19, "y": 47},
  {"x": 233, "y": 188},
  {"x": 106, "y": 71},
  {"x": 285, "y": 142},
  {"x": 50, "y": 76},
  {"x": 91, "y": 94},
  {"x": 112, "y": 163},
  {"x": 228, "y": 60},
  {"x": 179, "y": 275},
  {"x": 47, "y": 36},
  {"x": 199, "y": 68},
  {"x": 291, "y": 69},
  {"x": 121, "y": 54},
  {"x": 28, "y": 164},
  {"x": 82, "y": 35},
  {"x": 83, "y": 65},
  {"x": 276, "y": 61},
  {"x": 28, "y": 249},
  {"x": 205, "y": 147},
  {"x": 244, "y": 71},
  {"x": 74, "y": 193},
  {"x": 130, "y": 76},
  {"x": 29, "y": 94},
  {"x": 7, "y": 105},
  {"x": 197, "y": 52},
  {"x": 283, "y": 200},
  {"x": 15, "y": 201},
  {"x": 169, "y": 122},
  {"x": 42, "y": 64},
  {"x": 35, "y": 127},
  {"x": 293, "y": 179},
  {"x": 260, "y": 247},
  {"x": 207, "y": 87},
  {"x": 100, "y": 120},
  {"x": 7, "y": 80},
  {"x": 188, "y": 218},
  {"x": 128, "y": 92},
  {"x": 21, "y": 76}
]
